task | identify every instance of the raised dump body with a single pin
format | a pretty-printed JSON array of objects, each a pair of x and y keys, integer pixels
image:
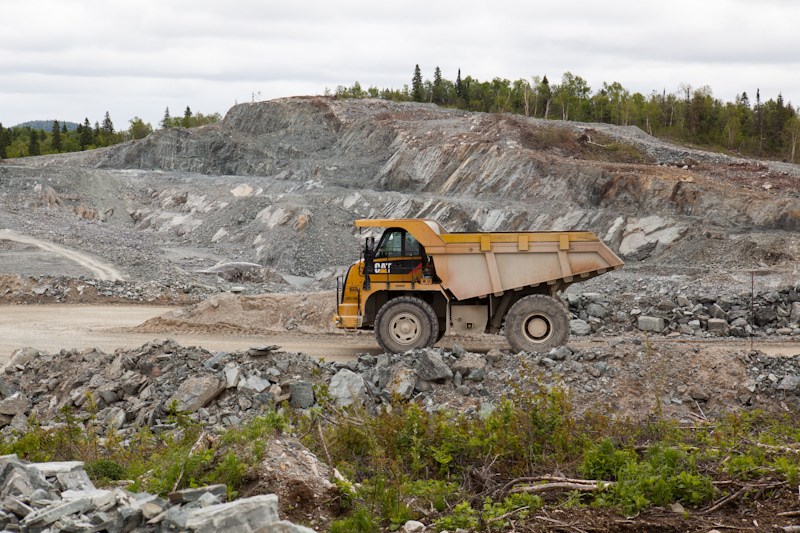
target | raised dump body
[{"x": 422, "y": 281}]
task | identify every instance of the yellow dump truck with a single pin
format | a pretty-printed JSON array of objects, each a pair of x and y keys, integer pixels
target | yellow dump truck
[{"x": 422, "y": 281}]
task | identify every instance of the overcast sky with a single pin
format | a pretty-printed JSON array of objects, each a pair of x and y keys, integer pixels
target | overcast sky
[{"x": 71, "y": 59}]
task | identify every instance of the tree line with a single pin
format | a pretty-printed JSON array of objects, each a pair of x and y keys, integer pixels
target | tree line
[
  {"x": 23, "y": 141},
  {"x": 769, "y": 129}
]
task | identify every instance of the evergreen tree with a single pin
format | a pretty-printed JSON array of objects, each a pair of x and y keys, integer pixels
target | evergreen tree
[
  {"x": 56, "y": 139},
  {"x": 760, "y": 121},
  {"x": 546, "y": 94},
  {"x": 417, "y": 91},
  {"x": 744, "y": 100},
  {"x": 33, "y": 144},
  {"x": 166, "y": 122},
  {"x": 85, "y": 135},
  {"x": 5, "y": 140},
  {"x": 459, "y": 85},
  {"x": 64, "y": 128},
  {"x": 108, "y": 126},
  {"x": 187, "y": 118},
  {"x": 438, "y": 87}
]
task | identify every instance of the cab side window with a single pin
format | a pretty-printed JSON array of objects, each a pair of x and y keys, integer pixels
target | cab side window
[{"x": 411, "y": 246}]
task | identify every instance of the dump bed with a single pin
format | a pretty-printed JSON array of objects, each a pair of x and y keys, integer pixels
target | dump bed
[{"x": 479, "y": 264}]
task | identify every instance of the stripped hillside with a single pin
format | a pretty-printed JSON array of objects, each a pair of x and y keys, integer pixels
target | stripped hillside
[{"x": 278, "y": 183}]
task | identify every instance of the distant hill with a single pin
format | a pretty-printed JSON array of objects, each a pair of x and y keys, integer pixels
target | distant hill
[{"x": 45, "y": 125}]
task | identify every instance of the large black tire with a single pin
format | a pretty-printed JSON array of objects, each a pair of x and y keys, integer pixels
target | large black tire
[
  {"x": 406, "y": 323},
  {"x": 442, "y": 329},
  {"x": 537, "y": 323}
]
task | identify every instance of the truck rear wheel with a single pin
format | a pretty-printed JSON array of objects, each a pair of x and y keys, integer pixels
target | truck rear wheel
[
  {"x": 405, "y": 323},
  {"x": 537, "y": 323}
]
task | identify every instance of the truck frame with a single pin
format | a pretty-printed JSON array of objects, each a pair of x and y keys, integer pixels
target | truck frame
[{"x": 421, "y": 282}]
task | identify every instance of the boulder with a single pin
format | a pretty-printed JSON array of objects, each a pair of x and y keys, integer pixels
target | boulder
[
  {"x": 596, "y": 310},
  {"x": 14, "y": 404},
  {"x": 431, "y": 367},
  {"x": 232, "y": 375},
  {"x": 240, "y": 516},
  {"x": 651, "y": 323},
  {"x": 254, "y": 383},
  {"x": 413, "y": 526},
  {"x": 718, "y": 326},
  {"x": 717, "y": 312},
  {"x": 579, "y": 327},
  {"x": 45, "y": 516},
  {"x": 560, "y": 353},
  {"x": 196, "y": 392},
  {"x": 794, "y": 315},
  {"x": 301, "y": 394},
  {"x": 469, "y": 363},
  {"x": 764, "y": 316},
  {"x": 790, "y": 383},
  {"x": 402, "y": 382},
  {"x": 346, "y": 388},
  {"x": 191, "y": 495}
]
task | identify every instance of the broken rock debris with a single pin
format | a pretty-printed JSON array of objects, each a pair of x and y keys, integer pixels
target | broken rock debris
[{"x": 50, "y": 497}]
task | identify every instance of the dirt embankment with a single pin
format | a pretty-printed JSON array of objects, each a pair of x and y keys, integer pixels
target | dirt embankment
[{"x": 250, "y": 315}]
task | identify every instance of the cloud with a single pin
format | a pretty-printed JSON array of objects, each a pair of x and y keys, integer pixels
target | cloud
[{"x": 76, "y": 58}]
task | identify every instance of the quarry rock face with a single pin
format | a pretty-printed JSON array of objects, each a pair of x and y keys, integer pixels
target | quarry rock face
[{"x": 277, "y": 184}]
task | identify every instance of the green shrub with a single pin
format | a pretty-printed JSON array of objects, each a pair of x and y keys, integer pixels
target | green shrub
[
  {"x": 665, "y": 475},
  {"x": 361, "y": 521},
  {"x": 105, "y": 470},
  {"x": 433, "y": 493},
  {"x": 787, "y": 466},
  {"x": 463, "y": 516},
  {"x": 603, "y": 460},
  {"x": 516, "y": 506}
]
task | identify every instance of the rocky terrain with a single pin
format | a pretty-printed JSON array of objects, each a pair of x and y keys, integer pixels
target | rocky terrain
[
  {"x": 278, "y": 184},
  {"x": 59, "y": 496},
  {"x": 248, "y": 222}
]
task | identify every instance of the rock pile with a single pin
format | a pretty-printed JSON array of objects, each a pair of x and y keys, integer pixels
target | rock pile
[
  {"x": 144, "y": 387},
  {"x": 771, "y": 313},
  {"x": 774, "y": 377},
  {"x": 131, "y": 389},
  {"x": 59, "y": 496},
  {"x": 625, "y": 376}
]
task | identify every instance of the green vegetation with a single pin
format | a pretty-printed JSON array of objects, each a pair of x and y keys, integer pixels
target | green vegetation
[
  {"x": 768, "y": 129},
  {"x": 453, "y": 470},
  {"x": 40, "y": 138},
  {"x": 159, "y": 463}
]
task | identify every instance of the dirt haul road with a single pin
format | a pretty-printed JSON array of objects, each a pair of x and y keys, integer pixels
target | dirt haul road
[
  {"x": 97, "y": 268},
  {"x": 108, "y": 327}
]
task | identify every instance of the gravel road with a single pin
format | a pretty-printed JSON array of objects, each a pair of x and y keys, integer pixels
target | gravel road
[
  {"x": 95, "y": 267},
  {"x": 53, "y": 327},
  {"x": 107, "y": 327}
]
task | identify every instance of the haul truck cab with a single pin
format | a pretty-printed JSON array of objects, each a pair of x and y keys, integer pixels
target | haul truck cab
[{"x": 419, "y": 282}]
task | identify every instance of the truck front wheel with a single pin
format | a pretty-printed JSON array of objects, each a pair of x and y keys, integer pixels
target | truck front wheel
[
  {"x": 405, "y": 323},
  {"x": 536, "y": 323}
]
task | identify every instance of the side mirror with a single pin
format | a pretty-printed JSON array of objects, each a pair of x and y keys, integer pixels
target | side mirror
[{"x": 369, "y": 261}]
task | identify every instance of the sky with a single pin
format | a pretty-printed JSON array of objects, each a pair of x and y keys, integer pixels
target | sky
[{"x": 76, "y": 59}]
